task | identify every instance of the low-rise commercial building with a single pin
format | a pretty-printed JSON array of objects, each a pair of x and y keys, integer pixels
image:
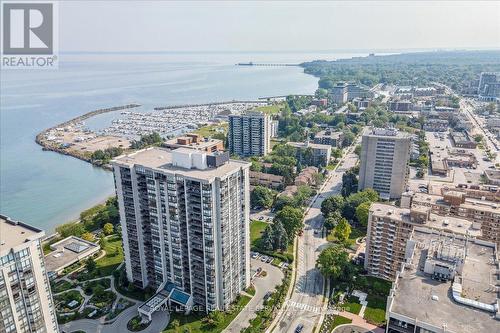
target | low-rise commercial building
[
  {"x": 400, "y": 106},
  {"x": 195, "y": 141},
  {"x": 462, "y": 140},
  {"x": 436, "y": 125},
  {"x": 492, "y": 177},
  {"x": 66, "y": 252}
]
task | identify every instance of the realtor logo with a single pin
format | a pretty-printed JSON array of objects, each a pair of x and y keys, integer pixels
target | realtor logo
[{"x": 28, "y": 34}]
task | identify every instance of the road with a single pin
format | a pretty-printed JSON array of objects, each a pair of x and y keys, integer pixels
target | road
[
  {"x": 262, "y": 285},
  {"x": 158, "y": 324},
  {"x": 480, "y": 127},
  {"x": 306, "y": 301}
]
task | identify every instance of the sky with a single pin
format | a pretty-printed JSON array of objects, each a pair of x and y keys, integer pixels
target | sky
[{"x": 279, "y": 26}]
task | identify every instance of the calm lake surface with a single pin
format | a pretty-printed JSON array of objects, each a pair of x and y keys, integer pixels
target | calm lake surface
[{"x": 45, "y": 188}]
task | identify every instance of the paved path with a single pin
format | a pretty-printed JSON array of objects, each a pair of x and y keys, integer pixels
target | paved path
[
  {"x": 158, "y": 324},
  {"x": 262, "y": 286},
  {"x": 359, "y": 321},
  {"x": 306, "y": 302}
]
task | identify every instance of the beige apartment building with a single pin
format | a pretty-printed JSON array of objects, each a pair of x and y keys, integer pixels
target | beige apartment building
[
  {"x": 26, "y": 303},
  {"x": 385, "y": 154}
]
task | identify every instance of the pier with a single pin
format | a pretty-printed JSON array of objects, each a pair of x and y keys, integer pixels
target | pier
[{"x": 266, "y": 64}]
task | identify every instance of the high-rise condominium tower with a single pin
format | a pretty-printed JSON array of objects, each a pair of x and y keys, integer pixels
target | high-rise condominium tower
[
  {"x": 185, "y": 223},
  {"x": 385, "y": 154},
  {"x": 249, "y": 134},
  {"x": 26, "y": 303}
]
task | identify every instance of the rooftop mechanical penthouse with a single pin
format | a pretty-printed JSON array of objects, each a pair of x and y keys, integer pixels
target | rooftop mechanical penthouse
[{"x": 185, "y": 219}]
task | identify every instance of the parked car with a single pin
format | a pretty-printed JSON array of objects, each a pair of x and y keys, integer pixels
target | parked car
[{"x": 299, "y": 328}]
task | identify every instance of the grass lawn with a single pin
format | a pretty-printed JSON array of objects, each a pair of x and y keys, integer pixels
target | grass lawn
[
  {"x": 339, "y": 320},
  {"x": 352, "y": 305},
  {"x": 271, "y": 109},
  {"x": 375, "y": 310},
  {"x": 355, "y": 234},
  {"x": 113, "y": 257},
  {"x": 194, "y": 322},
  {"x": 211, "y": 130},
  {"x": 61, "y": 286},
  {"x": 256, "y": 230}
]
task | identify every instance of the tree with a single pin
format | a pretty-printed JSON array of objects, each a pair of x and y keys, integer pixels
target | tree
[
  {"x": 342, "y": 230},
  {"x": 214, "y": 318},
  {"x": 332, "y": 220},
  {"x": 88, "y": 236},
  {"x": 274, "y": 237},
  {"x": 291, "y": 218},
  {"x": 282, "y": 201},
  {"x": 355, "y": 199},
  {"x": 103, "y": 242},
  {"x": 332, "y": 204},
  {"x": 262, "y": 197},
  {"x": 357, "y": 150},
  {"x": 349, "y": 182},
  {"x": 108, "y": 229},
  {"x": 478, "y": 138},
  {"x": 362, "y": 213},
  {"x": 332, "y": 261},
  {"x": 70, "y": 229},
  {"x": 90, "y": 265},
  {"x": 175, "y": 325},
  {"x": 303, "y": 193}
]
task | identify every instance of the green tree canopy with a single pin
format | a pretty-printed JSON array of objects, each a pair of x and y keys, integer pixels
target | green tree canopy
[
  {"x": 342, "y": 230},
  {"x": 291, "y": 218},
  {"x": 262, "y": 197},
  {"x": 362, "y": 212},
  {"x": 332, "y": 204},
  {"x": 332, "y": 261}
]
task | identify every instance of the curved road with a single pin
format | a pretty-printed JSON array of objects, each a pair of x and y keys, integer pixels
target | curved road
[
  {"x": 262, "y": 286},
  {"x": 158, "y": 324},
  {"x": 306, "y": 302}
]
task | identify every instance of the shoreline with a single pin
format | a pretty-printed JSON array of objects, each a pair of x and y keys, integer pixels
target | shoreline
[{"x": 41, "y": 138}]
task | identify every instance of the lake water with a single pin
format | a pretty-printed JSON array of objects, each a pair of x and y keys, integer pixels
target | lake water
[{"x": 45, "y": 188}]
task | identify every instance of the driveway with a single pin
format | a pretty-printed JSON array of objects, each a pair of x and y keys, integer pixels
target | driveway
[
  {"x": 262, "y": 286},
  {"x": 159, "y": 322}
]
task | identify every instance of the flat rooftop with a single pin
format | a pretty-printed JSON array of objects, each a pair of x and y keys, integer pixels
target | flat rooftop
[
  {"x": 386, "y": 133},
  {"x": 328, "y": 134},
  {"x": 437, "y": 222},
  {"x": 68, "y": 251},
  {"x": 309, "y": 145},
  {"x": 161, "y": 160},
  {"x": 14, "y": 233},
  {"x": 487, "y": 206},
  {"x": 204, "y": 143},
  {"x": 419, "y": 297}
]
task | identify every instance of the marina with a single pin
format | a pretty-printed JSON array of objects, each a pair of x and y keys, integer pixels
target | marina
[{"x": 172, "y": 121}]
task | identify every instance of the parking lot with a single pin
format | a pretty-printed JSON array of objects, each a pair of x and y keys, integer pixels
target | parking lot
[{"x": 258, "y": 257}]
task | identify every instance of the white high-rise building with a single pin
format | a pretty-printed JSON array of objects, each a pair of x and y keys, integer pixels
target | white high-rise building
[
  {"x": 249, "y": 134},
  {"x": 26, "y": 303},
  {"x": 185, "y": 224},
  {"x": 385, "y": 154}
]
